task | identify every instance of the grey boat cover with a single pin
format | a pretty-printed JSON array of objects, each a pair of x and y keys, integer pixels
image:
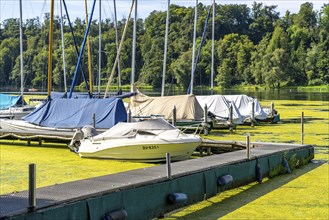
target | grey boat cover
[
  {"x": 124, "y": 129},
  {"x": 187, "y": 106},
  {"x": 244, "y": 104},
  {"x": 219, "y": 106}
]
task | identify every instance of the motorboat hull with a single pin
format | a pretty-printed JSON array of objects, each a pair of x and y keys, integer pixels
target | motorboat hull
[{"x": 147, "y": 151}]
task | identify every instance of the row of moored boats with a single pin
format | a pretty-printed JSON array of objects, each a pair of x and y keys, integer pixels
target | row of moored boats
[{"x": 145, "y": 129}]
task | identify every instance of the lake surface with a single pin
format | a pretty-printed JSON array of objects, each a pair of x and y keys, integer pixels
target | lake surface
[{"x": 269, "y": 94}]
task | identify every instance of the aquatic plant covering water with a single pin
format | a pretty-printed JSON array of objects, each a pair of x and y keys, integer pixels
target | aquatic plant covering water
[{"x": 303, "y": 194}]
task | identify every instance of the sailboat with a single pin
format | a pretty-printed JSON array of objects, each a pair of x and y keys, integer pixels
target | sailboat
[
  {"x": 66, "y": 115},
  {"x": 15, "y": 107}
]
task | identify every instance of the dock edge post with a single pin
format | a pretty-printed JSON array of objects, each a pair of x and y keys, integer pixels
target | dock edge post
[
  {"x": 302, "y": 124},
  {"x": 248, "y": 146},
  {"x": 32, "y": 187},
  {"x": 252, "y": 113},
  {"x": 231, "y": 116},
  {"x": 205, "y": 119},
  {"x": 94, "y": 120},
  {"x": 168, "y": 163},
  {"x": 129, "y": 116},
  {"x": 174, "y": 116}
]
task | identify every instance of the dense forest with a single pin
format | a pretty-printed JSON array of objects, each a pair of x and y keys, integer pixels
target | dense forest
[{"x": 253, "y": 46}]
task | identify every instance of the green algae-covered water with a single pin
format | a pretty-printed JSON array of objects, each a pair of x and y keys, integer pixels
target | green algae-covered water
[{"x": 303, "y": 194}]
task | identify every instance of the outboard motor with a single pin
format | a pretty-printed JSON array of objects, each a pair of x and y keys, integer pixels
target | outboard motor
[{"x": 87, "y": 131}]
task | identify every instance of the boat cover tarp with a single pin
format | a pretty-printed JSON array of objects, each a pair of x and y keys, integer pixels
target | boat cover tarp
[
  {"x": 244, "y": 104},
  {"x": 187, "y": 107},
  {"x": 76, "y": 113},
  {"x": 79, "y": 95},
  {"x": 123, "y": 129},
  {"x": 63, "y": 95},
  {"x": 7, "y": 101},
  {"x": 219, "y": 106}
]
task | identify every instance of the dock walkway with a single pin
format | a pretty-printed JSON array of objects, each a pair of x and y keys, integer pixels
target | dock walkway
[{"x": 123, "y": 187}]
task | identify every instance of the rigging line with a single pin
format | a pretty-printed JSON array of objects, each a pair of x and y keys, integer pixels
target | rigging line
[
  {"x": 121, "y": 42},
  {"x": 28, "y": 9},
  {"x": 99, "y": 46},
  {"x": 0, "y": 14},
  {"x": 43, "y": 9},
  {"x": 50, "y": 56},
  {"x": 117, "y": 41},
  {"x": 76, "y": 48},
  {"x": 200, "y": 47},
  {"x": 89, "y": 51},
  {"x": 82, "y": 49},
  {"x": 63, "y": 46},
  {"x": 190, "y": 90}
]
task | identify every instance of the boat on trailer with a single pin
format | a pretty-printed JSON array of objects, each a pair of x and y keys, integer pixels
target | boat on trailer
[{"x": 146, "y": 141}]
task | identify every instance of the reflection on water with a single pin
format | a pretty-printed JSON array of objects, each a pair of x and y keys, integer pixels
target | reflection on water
[
  {"x": 269, "y": 94},
  {"x": 282, "y": 94}
]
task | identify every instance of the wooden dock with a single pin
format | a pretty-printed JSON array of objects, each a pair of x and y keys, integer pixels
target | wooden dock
[{"x": 143, "y": 193}]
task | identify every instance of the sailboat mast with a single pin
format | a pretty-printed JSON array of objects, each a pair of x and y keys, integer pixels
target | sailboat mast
[
  {"x": 117, "y": 41},
  {"x": 99, "y": 46},
  {"x": 118, "y": 52},
  {"x": 21, "y": 46},
  {"x": 89, "y": 53},
  {"x": 165, "y": 51},
  {"x": 63, "y": 47},
  {"x": 193, "y": 49},
  {"x": 134, "y": 50},
  {"x": 50, "y": 52},
  {"x": 81, "y": 51},
  {"x": 213, "y": 47}
]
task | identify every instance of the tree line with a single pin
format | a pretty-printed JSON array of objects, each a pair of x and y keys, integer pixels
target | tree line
[{"x": 253, "y": 46}]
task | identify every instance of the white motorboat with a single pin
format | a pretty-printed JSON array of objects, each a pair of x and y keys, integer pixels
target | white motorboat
[{"x": 147, "y": 141}]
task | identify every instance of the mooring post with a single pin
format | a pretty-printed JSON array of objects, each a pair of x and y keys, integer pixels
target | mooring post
[
  {"x": 231, "y": 117},
  {"x": 205, "y": 119},
  {"x": 168, "y": 163},
  {"x": 248, "y": 146},
  {"x": 129, "y": 115},
  {"x": 174, "y": 116},
  {"x": 32, "y": 187},
  {"x": 94, "y": 120},
  {"x": 252, "y": 112},
  {"x": 302, "y": 124},
  {"x": 272, "y": 109}
]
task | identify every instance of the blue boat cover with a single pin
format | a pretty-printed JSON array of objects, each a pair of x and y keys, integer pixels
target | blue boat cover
[
  {"x": 7, "y": 101},
  {"x": 79, "y": 95},
  {"x": 63, "y": 95},
  {"x": 76, "y": 113}
]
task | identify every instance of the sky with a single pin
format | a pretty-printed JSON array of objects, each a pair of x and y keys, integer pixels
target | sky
[{"x": 76, "y": 8}]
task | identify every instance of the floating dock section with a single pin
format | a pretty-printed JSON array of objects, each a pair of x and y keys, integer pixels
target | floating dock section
[{"x": 152, "y": 192}]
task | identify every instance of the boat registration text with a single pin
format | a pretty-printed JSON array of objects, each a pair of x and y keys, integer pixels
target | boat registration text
[{"x": 152, "y": 147}]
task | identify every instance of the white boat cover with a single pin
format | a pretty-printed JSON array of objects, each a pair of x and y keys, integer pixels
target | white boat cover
[
  {"x": 244, "y": 104},
  {"x": 187, "y": 107},
  {"x": 124, "y": 129},
  {"x": 219, "y": 106}
]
